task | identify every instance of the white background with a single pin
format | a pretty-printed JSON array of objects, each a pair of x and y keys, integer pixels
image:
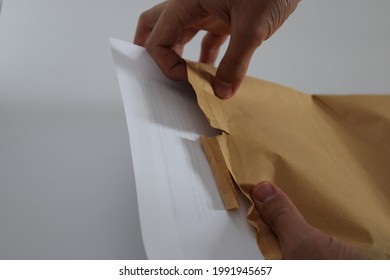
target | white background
[{"x": 66, "y": 182}]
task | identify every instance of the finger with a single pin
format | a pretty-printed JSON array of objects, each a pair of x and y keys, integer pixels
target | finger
[
  {"x": 146, "y": 23},
  {"x": 234, "y": 64},
  {"x": 211, "y": 44},
  {"x": 165, "y": 37},
  {"x": 341, "y": 251},
  {"x": 279, "y": 213},
  {"x": 297, "y": 238},
  {"x": 188, "y": 34}
]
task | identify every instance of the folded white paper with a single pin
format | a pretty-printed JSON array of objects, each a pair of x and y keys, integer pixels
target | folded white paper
[{"x": 182, "y": 215}]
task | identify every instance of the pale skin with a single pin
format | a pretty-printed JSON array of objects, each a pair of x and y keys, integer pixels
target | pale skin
[
  {"x": 297, "y": 238},
  {"x": 165, "y": 29}
]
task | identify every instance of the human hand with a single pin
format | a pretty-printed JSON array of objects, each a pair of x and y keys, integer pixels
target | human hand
[
  {"x": 298, "y": 239},
  {"x": 167, "y": 27}
]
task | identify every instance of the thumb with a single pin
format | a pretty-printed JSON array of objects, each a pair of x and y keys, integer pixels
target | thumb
[
  {"x": 232, "y": 69},
  {"x": 234, "y": 64},
  {"x": 297, "y": 238},
  {"x": 279, "y": 213}
]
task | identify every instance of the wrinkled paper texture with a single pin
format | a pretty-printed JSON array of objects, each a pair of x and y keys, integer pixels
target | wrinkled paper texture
[{"x": 330, "y": 154}]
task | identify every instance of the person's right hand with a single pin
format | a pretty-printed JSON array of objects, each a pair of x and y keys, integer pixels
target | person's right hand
[
  {"x": 166, "y": 28},
  {"x": 297, "y": 238}
]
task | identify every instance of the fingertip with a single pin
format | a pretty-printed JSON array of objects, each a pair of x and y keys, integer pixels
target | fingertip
[
  {"x": 264, "y": 192},
  {"x": 223, "y": 90},
  {"x": 227, "y": 80},
  {"x": 228, "y": 77},
  {"x": 279, "y": 212}
]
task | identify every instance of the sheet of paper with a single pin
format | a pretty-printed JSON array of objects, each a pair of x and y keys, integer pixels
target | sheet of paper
[
  {"x": 182, "y": 215},
  {"x": 330, "y": 154}
]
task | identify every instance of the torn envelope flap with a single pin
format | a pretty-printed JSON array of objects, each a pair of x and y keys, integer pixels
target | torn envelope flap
[
  {"x": 330, "y": 155},
  {"x": 203, "y": 82}
]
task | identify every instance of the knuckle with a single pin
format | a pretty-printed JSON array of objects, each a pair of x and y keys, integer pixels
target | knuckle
[
  {"x": 340, "y": 249},
  {"x": 253, "y": 35},
  {"x": 277, "y": 215},
  {"x": 260, "y": 34},
  {"x": 278, "y": 13},
  {"x": 150, "y": 48},
  {"x": 305, "y": 245},
  {"x": 232, "y": 65},
  {"x": 143, "y": 18}
]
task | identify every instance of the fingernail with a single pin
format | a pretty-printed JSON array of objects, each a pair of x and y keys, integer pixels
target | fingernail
[
  {"x": 264, "y": 192},
  {"x": 223, "y": 90}
]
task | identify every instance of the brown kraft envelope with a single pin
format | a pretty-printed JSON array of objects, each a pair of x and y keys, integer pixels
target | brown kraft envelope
[{"x": 330, "y": 154}]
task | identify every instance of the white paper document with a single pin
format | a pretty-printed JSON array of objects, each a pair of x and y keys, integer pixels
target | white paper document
[{"x": 181, "y": 213}]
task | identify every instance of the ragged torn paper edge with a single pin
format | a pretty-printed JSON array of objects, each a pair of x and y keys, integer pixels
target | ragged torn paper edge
[
  {"x": 210, "y": 145},
  {"x": 220, "y": 166},
  {"x": 226, "y": 115}
]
